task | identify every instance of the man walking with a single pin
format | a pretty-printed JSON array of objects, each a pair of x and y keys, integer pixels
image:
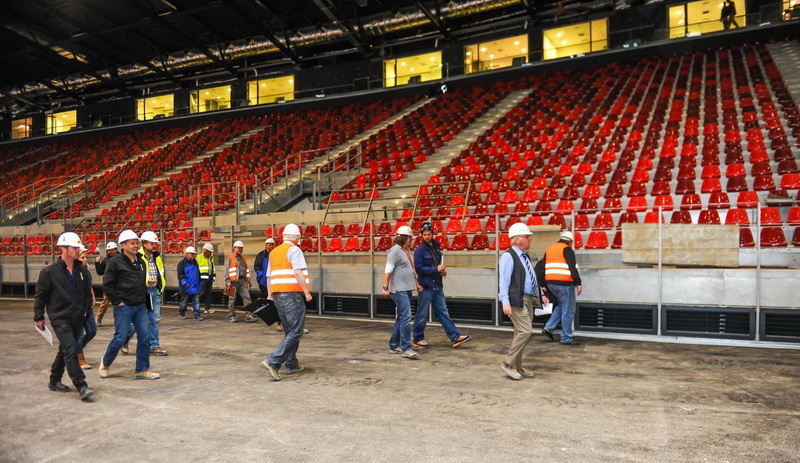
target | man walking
[
  {"x": 156, "y": 283},
  {"x": 562, "y": 279},
  {"x": 189, "y": 281},
  {"x": 238, "y": 277},
  {"x": 261, "y": 264},
  {"x": 100, "y": 267},
  {"x": 125, "y": 283},
  {"x": 65, "y": 292},
  {"x": 429, "y": 265},
  {"x": 519, "y": 295},
  {"x": 208, "y": 274},
  {"x": 288, "y": 285}
]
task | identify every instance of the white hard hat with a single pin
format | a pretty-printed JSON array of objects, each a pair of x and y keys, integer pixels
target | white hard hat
[
  {"x": 190, "y": 250},
  {"x": 150, "y": 236},
  {"x": 69, "y": 239},
  {"x": 518, "y": 229},
  {"x": 404, "y": 230},
  {"x": 83, "y": 248},
  {"x": 208, "y": 247},
  {"x": 269, "y": 240},
  {"x": 238, "y": 244},
  {"x": 127, "y": 235},
  {"x": 111, "y": 245},
  {"x": 567, "y": 235},
  {"x": 291, "y": 229}
]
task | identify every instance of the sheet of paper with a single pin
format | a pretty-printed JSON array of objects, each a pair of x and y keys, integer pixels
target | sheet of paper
[
  {"x": 46, "y": 334},
  {"x": 546, "y": 309}
]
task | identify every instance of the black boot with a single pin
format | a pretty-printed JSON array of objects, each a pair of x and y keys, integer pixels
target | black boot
[
  {"x": 58, "y": 387},
  {"x": 86, "y": 392}
]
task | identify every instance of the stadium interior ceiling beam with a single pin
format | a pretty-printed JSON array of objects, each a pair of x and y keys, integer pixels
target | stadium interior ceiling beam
[
  {"x": 22, "y": 100},
  {"x": 329, "y": 10},
  {"x": 435, "y": 19},
  {"x": 258, "y": 25},
  {"x": 530, "y": 7}
]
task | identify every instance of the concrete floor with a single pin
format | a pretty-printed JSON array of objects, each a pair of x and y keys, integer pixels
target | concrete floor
[{"x": 603, "y": 401}]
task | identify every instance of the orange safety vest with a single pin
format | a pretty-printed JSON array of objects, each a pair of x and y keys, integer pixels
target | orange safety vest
[
  {"x": 233, "y": 273},
  {"x": 281, "y": 278},
  {"x": 555, "y": 265}
]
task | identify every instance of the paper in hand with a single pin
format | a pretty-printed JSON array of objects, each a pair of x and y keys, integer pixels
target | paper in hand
[
  {"x": 46, "y": 334},
  {"x": 546, "y": 309}
]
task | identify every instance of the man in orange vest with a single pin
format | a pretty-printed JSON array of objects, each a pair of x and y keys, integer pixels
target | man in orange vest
[
  {"x": 562, "y": 279},
  {"x": 288, "y": 285},
  {"x": 238, "y": 277}
]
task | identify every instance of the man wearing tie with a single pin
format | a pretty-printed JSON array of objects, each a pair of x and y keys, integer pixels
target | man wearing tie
[
  {"x": 562, "y": 279},
  {"x": 519, "y": 295}
]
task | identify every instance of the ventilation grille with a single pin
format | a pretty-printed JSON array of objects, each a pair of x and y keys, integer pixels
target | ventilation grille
[
  {"x": 385, "y": 307},
  {"x": 782, "y": 323},
  {"x": 709, "y": 322},
  {"x": 345, "y": 305},
  {"x": 470, "y": 310},
  {"x": 616, "y": 318}
]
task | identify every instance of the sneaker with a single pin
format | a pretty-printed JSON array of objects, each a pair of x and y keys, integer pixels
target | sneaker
[
  {"x": 250, "y": 319},
  {"x": 571, "y": 343},
  {"x": 182, "y": 316},
  {"x": 305, "y": 331},
  {"x": 272, "y": 370},
  {"x": 146, "y": 374},
  {"x": 395, "y": 350},
  {"x": 292, "y": 371},
  {"x": 158, "y": 351},
  {"x": 525, "y": 373},
  {"x": 510, "y": 371},
  {"x": 86, "y": 392},
  {"x": 58, "y": 387},
  {"x": 199, "y": 318},
  {"x": 103, "y": 370},
  {"x": 278, "y": 326},
  {"x": 233, "y": 319},
  {"x": 209, "y": 311},
  {"x": 460, "y": 340},
  {"x": 124, "y": 348},
  {"x": 410, "y": 354},
  {"x": 421, "y": 344},
  {"x": 98, "y": 322},
  {"x": 549, "y": 334}
]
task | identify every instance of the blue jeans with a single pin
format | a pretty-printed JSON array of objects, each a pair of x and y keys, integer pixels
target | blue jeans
[
  {"x": 123, "y": 316},
  {"x": 155, "y": 317},
  {"x": 564, "y": 312},
  {"x": 292, "y": 312},
  {"x": 88, "y": 332},
  {"x": 401, "y": 334},
  {"x": 433, "y": 296},
  {"x": 195, "y": 298}
]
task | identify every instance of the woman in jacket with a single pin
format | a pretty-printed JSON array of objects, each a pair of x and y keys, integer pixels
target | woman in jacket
[{"x": 190, "y": 285}]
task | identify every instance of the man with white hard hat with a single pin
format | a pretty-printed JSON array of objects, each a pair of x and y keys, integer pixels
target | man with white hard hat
[
  {"x": 100, "y": 268},
  {"x": 261, "y": 264},
  {"x": 519, "y": 295},
  {"x": 156, "y": 283},
  {"x": 238, "y": 277},
  {"x": 65, "y": 293},
  {"x": 563, "y": 280},
  {"x": 288, "y": 285},
  {"x": 190, "y": 284},
  {"x": 125, "y": 283},
  {"x": 208, "y": 274}
]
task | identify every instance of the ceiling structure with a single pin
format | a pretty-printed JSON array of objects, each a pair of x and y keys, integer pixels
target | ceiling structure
[{"x": 67, "y": 52}]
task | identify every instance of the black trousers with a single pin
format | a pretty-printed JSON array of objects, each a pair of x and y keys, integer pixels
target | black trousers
[
  {"x": 67, "y": 356},
  {"x": 263, "y": 289},
  {"x": 205, "y": 293}
]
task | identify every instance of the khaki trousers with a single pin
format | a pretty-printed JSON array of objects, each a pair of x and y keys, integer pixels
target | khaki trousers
[
  {"x": 103, "y": 308},
  {"x": 243, "y": 291},
  {"x": 522, "y": 318}
]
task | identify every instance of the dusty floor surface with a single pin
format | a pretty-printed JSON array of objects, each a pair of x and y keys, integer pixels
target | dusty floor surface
[{"x": 602, "y": 401}]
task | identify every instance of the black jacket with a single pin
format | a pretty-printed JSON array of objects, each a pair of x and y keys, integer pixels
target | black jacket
[
  {"x": 55, "y": 293},
  {"x": 125, "y": 281},
  {"x": 100, "y": 267}
]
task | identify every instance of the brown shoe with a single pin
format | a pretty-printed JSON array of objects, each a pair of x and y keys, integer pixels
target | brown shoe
[
  {"x": 146, "y": 374},
  {"x": 158, "y": 351},
  {"x": 82, "y": 362}
]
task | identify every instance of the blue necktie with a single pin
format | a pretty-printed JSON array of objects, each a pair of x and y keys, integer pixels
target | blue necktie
[{"x": 528, "y": 269}]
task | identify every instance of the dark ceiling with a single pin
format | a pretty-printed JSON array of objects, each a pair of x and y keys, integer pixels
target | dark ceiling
[{"x": 77, "y": 51}]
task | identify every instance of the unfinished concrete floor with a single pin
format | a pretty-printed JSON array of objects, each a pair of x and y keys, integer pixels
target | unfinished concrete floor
[{"x": 602, "y": 401}]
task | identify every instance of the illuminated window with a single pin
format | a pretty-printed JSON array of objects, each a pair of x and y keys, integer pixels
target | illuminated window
[
  {"x": 155, "y": 107},
  {"x": 791, "y": 9},
  {"x": 412, "y": 69},
  {"x": 575, "y": 39},
  {"x": 270, "y": 90},
  {"x": 21, "y": 128},
  {"x": 495, "y": 55},
  {"x": 210, "y": 99},
  {"x": 61, "y": 122},
  {"x": 697, "y": 18}
]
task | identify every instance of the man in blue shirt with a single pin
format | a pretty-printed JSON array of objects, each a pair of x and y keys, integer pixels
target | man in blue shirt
[
  {"x": 519, "y": 295},
  {"x": 429, "y": 265}
]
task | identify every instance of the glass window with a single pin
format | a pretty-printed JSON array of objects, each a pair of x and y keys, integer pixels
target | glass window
[
  {"x": 155, "y": 107},
  {"x": 61, "y": 122},
  {"x": 791, "y": 9},
  {"x": 497, "y": 54},
  {"x": 575, "y": 39},
  {"x": 412, "y": 69},
  {"x": 210, "y": 99},
  {"x": 270, "y": 90},
  {"x": 21, "y": 128},
  {"x": 697, "y": 18}
]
